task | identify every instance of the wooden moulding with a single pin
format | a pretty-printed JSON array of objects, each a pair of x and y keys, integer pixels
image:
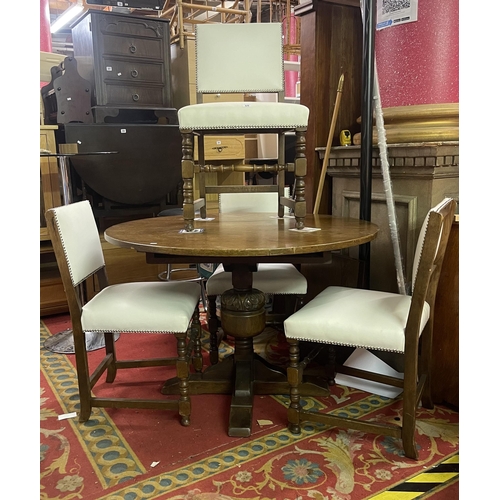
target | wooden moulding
[
  {"x": 418, "y": 123},
  {"x": 345, "y": 160}
]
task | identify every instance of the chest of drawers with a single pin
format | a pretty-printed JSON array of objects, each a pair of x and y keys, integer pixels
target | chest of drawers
[{"x": 126, "y": 58}]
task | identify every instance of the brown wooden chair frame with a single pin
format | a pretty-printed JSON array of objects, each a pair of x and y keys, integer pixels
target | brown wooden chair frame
[
  {"x": 188, "y": 349},
  {"x": 416, "y": 383}
]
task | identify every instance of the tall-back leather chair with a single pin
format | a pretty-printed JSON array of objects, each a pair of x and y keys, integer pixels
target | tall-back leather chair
[
  {"x": 244, "y": 58},
  {"x": 139, "y": 307},
  {"x": 380, "y": 321}
]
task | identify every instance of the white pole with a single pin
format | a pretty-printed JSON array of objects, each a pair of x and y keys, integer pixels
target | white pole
[{"x": 391, "y": 210}]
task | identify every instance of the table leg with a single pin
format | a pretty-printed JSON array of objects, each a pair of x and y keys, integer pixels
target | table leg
[
  {"x": 240, "y": 415},
  {"x": 243, "y": 316}
]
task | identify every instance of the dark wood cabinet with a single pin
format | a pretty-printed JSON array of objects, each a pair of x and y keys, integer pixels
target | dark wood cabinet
[{"x": 126, "y": 59}]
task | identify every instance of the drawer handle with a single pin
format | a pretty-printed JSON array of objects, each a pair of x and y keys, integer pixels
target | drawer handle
[
  {"x": 219, "y": 148},
  {"x": 132, "y": 49},
  {"x": 135, "y": 97},
  {"x": 134, "y": 73}
]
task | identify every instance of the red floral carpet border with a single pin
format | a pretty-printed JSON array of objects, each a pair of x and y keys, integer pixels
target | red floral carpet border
[{"x": 146, "y": 454}]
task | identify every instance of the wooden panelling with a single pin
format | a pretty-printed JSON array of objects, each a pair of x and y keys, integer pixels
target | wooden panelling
[
  {"x": 383, "y": 271},
  {"x": 421, "y": 176},
  {"x": 331, "y": 44}
]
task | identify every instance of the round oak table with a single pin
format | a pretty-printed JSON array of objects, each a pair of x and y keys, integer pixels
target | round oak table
[{"x": 240, "y": 242}]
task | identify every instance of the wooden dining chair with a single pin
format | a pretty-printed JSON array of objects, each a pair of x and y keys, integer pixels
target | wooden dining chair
[
  {"x": 272, "y": 279},
  {"x": 383, "y": 321},
  {"x": 139, "y": 307},
  {"x": 241, "y": 59}
]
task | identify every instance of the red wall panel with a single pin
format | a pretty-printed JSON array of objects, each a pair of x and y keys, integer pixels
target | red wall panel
[{"x": 417, "y": 63}]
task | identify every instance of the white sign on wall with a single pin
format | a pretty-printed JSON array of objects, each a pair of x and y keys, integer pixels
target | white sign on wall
[{"x": 394, "y": 12}]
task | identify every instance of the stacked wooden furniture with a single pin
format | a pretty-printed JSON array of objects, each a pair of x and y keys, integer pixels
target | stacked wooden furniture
[
  {"x": 126, "y": 60},
  {"x": 185, "y": 15}
]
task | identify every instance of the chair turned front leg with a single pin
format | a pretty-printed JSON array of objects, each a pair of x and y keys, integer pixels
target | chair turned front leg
[
  {"x": 300, "y": 174},
  {"x": 196, "y": 339},
  {"x": 109, "y": 342},
  {"x": 294, "y": 375},
  {"x": 85, "y": 411},
  {"x": 188, "y": 180},
  {"x": 330, "y": 366},
  {"x": 213, "y": 327},
  {"x": 182, "y": 366}
]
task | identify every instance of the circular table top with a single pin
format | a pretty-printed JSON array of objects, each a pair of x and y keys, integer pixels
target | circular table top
[{"x": 241, "y": 235}]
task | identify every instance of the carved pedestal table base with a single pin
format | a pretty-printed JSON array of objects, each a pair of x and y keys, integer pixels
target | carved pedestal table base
[{"x": 244, "y": 373}]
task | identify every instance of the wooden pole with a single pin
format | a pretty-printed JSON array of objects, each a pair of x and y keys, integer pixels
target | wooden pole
[{"x": 329, "y": 145}]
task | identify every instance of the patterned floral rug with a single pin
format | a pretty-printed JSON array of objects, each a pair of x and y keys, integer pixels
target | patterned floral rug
[{"x": 146, "y": 454}]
